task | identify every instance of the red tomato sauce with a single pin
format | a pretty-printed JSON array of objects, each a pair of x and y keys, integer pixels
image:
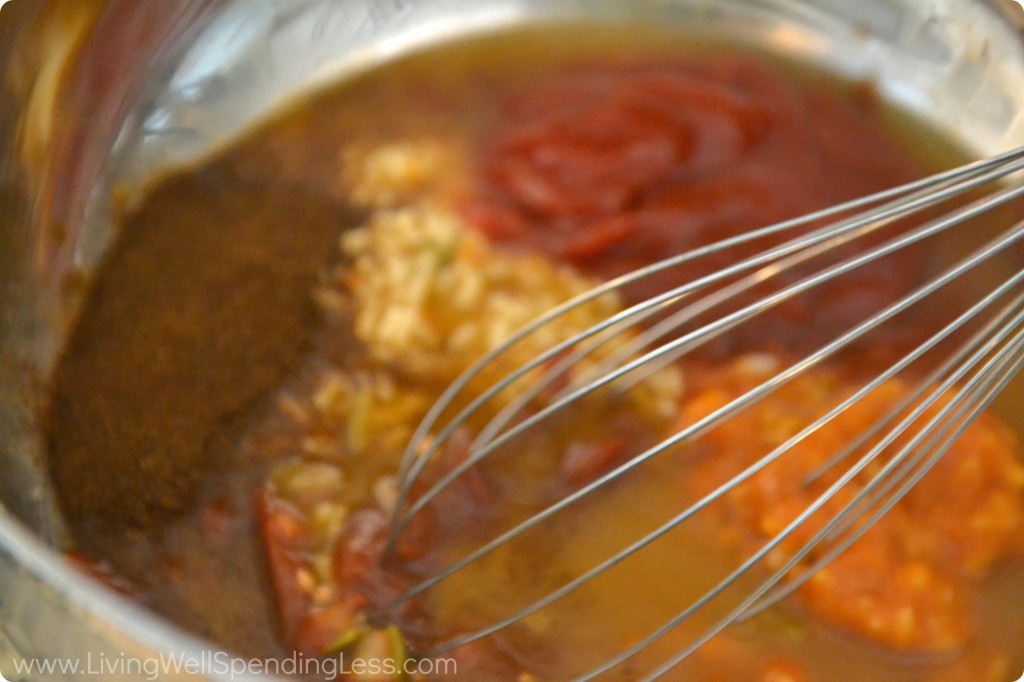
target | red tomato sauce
[{"x": 611, "y": 168}]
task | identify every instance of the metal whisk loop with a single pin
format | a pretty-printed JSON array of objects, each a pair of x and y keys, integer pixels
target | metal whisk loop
[
  {"x": 492, "y": 438},
  {"x": 971, "y": 345},
  {"x": 740, "y": 403},
  {"x": 909, "y": 438}
]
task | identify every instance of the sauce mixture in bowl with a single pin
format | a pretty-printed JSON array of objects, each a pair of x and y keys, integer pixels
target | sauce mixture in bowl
[{"x": 231, "y": 410}]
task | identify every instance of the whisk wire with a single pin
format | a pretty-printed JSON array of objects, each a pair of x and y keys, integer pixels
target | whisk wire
[
  {"x": 992, "y": 168},
  {"x": 977, "y": 407},
  {"x": 958, "y": 218},
  {"x": 778, "y": 452},
  {"x": 802, "y": 518},
  {"x": 755, "y": 468},
  {"x": 898, "y": 449},
  {"x": 1007, "y": 367},
  {"x": 745, "y": 400},
  {"x": 687, "y": 341},
  {"x": 813, "y": 244},
  {"x": 954, "y": 359},
  {"x": 949, "y": 189}
]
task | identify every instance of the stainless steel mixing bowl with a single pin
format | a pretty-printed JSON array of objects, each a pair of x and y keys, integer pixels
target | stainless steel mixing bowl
[{"x": 98, "y": 93}]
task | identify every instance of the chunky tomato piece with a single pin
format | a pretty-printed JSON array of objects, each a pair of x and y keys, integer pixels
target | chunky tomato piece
[
  {"x": 332, "y": 628},
  {"x": 470, "y": 498},
  {"x": 361, "y": 568},
  {"x": 281, "y": 530},
  {"x": 359, "y": 549}
]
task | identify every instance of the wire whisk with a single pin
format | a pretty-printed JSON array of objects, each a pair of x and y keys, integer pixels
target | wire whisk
[{"x": 972, "y": 356}]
